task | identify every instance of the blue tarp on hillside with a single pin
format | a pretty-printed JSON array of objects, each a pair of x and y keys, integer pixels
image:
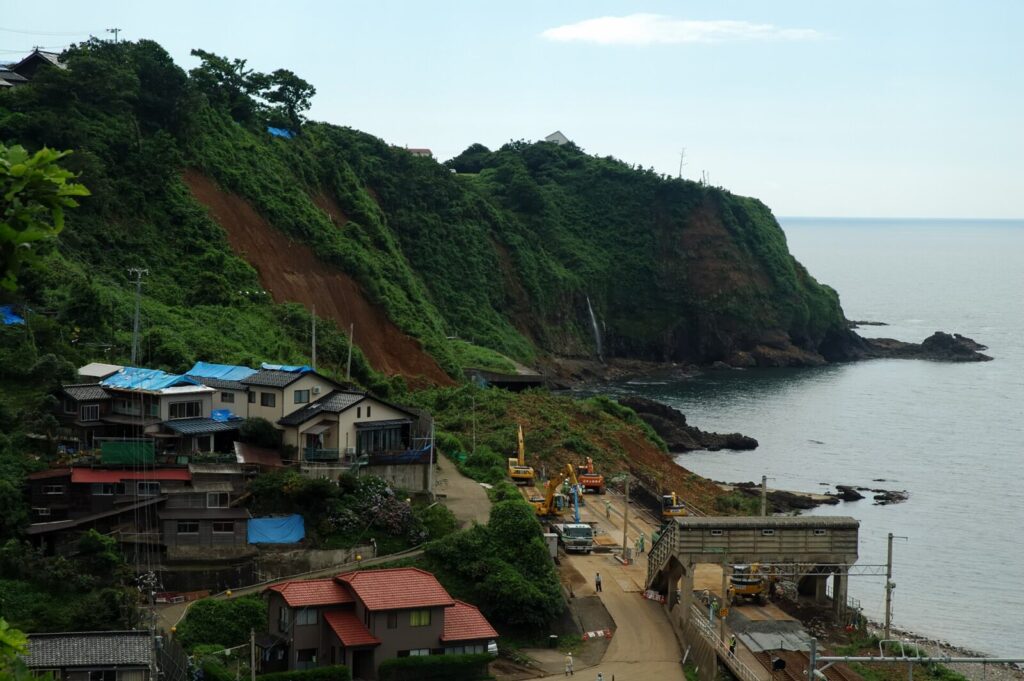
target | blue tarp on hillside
[
  {"x": 8, "y": 316},
  {"x": 280, "y": 132},
  {"x": 136, "y": 378},
  {"x": 287, "y": 367},
  {"x": 288, "y": 529},
  {"x": 225, "y": 372}
]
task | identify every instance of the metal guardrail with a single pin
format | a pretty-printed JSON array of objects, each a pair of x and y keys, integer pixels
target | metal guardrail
[{"x": 707, "y": 632}]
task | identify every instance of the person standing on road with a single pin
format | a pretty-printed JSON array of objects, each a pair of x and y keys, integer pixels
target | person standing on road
[
  {"x": 600, "y": 676},
  {"x": 568, "y": 665},
  {"x": 597, "y": 582}
]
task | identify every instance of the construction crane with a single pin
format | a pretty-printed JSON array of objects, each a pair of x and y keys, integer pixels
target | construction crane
[
  {"x": 672, "y": 506},
  {"x": 551, "y": 504},
  {"x": 588, "y": 478},
  {"x": 520, "y": 473}
]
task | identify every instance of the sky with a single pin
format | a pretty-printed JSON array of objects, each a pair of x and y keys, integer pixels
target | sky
[{"x": 902, "y": 108}]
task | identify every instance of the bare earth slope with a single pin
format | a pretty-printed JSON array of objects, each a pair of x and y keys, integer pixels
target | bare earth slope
[{"x": 291, "y": 272}]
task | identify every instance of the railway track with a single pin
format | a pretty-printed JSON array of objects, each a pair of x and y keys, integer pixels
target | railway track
[{"x": 797, "y": 662}]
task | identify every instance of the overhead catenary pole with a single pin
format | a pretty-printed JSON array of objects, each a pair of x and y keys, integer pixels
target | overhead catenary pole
[
  {"x": 888, "y": 589},
  {"x": 725, "y": 599},
  {"x": 138, "y": 273},
  {"x": 625, "y": 525},
  {"x": 764, "y": 496},
  {"x": 351, "y": 340}
]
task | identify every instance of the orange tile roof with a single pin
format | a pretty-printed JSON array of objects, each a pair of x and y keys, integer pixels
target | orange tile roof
[
  {"x": 397, "y": 589},
  {"x": 349, "y": 629},
  {"x": 463, "y": 622},
  {"x": 312, "y": 592}
]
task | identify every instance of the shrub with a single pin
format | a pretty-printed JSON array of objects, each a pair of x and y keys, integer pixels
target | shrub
[
  {"x": 259, "y": 432},
  {"x": 223, "y": 622},
  {"x": 335, "y": 673},
  {"x": 435, "y": 668}
]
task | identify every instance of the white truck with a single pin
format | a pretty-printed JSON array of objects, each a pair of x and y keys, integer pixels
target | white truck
[{"x": 574, "y": 537}]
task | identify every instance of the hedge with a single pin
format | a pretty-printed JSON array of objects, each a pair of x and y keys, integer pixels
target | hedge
[
  {"x": 436, "y": 668},
  {"x": 335, "y": 673}
]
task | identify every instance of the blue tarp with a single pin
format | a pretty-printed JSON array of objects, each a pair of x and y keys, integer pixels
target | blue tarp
[
  {"x": 287, "y": 367},
  {"x": 136, "y": 378},
  {"x": 225, "y": 372},
  {"x": 8, "y": 316},
  {"x": 223, "y": 415},
  {"x": 288, "y": 529},
  {"x": 281, "y": 132}
]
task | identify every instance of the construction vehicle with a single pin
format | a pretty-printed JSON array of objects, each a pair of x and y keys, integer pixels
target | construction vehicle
[
  {"x": 672, "y": 506},
  {"x": 578, "y": 537},
  {"x": 553, "y": 503},
  {"x": 748, "y": 582},
  {"x": 590, "y": 480},
  {"x": 520, "y": 473}
]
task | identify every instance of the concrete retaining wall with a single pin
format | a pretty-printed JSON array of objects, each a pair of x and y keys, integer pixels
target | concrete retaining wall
[{"x": 411, "y": 477}]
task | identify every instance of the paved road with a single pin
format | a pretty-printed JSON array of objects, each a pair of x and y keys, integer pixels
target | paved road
[{"x": 463, "y": 496}]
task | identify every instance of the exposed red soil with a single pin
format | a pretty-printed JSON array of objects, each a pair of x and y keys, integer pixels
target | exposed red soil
[
  {"x": 327, "y": 204},
  {"x": 717, "y": 264},
  {"x": 291, "y": 272}
]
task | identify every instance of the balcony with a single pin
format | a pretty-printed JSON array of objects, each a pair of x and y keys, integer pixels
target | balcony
[{"x": 316, "y": 455}]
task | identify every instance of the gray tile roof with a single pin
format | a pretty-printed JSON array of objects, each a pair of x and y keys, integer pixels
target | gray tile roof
[
  {"x": 89, "y": 649},
  {"x": 333, "y": 402},
  {"x": 84, "y": 392},
  {"x": 201, "y": 426},
  {"x": 218, "y": 383},
  {"x": 272, "y": 378}
]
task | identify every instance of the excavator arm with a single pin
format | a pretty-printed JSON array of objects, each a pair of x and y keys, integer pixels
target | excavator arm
[{"x": 522, "y": 447}]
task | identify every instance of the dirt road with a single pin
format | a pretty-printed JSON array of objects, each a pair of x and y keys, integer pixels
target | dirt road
[{"x": 463, "y": 497}]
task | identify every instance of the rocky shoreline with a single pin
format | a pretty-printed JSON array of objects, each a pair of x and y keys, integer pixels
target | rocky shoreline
[{"x": 670, "y": 424}]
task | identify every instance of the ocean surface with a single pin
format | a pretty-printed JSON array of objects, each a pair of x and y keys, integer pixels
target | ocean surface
[{"x": 952, "y": 435}]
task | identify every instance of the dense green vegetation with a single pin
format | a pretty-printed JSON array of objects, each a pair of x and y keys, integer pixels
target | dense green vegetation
[
  {"x": 435, "y": 668},
  {"x": 221, "y": 622}
]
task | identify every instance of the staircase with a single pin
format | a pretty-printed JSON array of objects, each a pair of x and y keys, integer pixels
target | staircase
[{"x": 662, "y": 550}]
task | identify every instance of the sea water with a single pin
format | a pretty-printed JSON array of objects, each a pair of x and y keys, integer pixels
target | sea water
[{"x": 952, "y": 435}]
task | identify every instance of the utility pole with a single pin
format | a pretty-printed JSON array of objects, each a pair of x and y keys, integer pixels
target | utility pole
[
  {"x": 682, "y": 155},
  {"x": 351, "y": 339},
  {"x": 764, "y": 496},
  {"x": 625, "y": 525},
  {"x": 313, "y": 353},
  {"x": 138, "y": 273},
  {"x": 252, "y": 655},
  {"x": 472, "y": 397},
  {"x": 889, "y": 586},
  {"x": 115, "y": 31},
  {"x": 726, "y": 568},
  {"x": 430, "y": 469}
]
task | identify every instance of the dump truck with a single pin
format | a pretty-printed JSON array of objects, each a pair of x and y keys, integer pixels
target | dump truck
[
  {"x": 574, "y": 537},
  {"x": 748, "y": 582},
  {"x": 520, "y": 473},
  {"x": 591, "y": 481},
  {"x": 672, "y": 506}
]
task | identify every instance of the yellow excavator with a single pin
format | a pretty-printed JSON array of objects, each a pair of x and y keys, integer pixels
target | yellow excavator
[
  {"x": 749, "y": 582},
  {"x": 672, "y": 506},
  {"x": 520, "y": 473},
  {"x": 554, "y": 503}
]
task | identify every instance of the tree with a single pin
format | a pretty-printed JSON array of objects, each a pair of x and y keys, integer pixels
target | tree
[
  {"x": 228, "y": 84},
  {"x": 12, "y": 644},
  {"x": 34, "y": 191},
  {"x": 291, "y": 94},
  {"x": 259, "y": 432}
]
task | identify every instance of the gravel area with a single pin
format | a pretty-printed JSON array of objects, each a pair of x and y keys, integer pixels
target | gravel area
[{"x": 974, "y": 672}]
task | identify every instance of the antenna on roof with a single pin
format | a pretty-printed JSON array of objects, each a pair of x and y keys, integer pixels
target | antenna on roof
[{"x": 139, "y": 273}]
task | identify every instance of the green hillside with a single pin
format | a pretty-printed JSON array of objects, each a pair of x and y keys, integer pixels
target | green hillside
[{"x": 504, "y": 253}]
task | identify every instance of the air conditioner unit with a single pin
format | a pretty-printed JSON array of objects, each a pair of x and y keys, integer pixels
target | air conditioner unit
[
  {"x": 316, "y": 390},
  {"x": 350, "y": 451}
]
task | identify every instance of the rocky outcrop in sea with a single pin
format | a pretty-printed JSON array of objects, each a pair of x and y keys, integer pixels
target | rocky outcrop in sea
[{"x": 670, "y": 424}]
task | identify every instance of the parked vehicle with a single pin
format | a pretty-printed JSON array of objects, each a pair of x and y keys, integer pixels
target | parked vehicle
[{"x": 574, "y": 537}]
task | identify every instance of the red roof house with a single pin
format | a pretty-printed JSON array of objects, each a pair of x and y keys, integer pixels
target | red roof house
[{"x": 362, "y": 618}]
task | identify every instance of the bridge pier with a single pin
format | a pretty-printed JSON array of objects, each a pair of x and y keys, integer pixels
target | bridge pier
[{"x": 840, "y": 585}]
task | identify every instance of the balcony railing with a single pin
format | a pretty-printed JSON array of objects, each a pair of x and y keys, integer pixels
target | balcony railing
[{"x": 319, "y": 455}]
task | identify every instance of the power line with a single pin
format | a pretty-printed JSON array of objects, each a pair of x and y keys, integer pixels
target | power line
[{"x": 22, "y": 32}]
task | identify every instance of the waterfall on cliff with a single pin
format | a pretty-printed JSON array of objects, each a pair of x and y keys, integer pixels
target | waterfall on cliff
[{"x": 597, "y": 332}]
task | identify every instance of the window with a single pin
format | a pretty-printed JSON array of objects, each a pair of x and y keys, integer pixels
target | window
[
  {"x": 227, "y": 398},
  {"x": 392, "y": 620},
  {"x": 305, "y": 658},
  {"x": 268, "y": 400},
  {"x": 283, "y": 619},
  {"x": 217, "y": 499},
  {"x": 148, "y": 489},
  {"x": 717, "y": 533},
  {"x": 359, "y": 412},
  {"x": 252, "y": 398},
  {"x": 223, "y": 527},
  {"x": 53, "y": 489},
  {"x": 41, "y": 511},
  {"x": 419, "y": 618},
  {"x": 89, "y": 412},
  {"x": 306, "y": 616},
  {"x": 186, "y": 410},
  {"x": 767, "y": 533},
  {"x": 368, "y": 411},
  {"x": 103, "y": 675},
  {"x": 107, "y": 489},
  {"x": 301, "y": 396},
  {"x": 419, "y": 651},
  {"x": 819, "y": 532},
  {"x": 188, "y": 527}
]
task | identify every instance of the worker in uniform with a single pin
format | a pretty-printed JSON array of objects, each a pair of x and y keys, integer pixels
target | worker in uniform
[
  {"x": 732, "y": 645},
  {"x": 568, "y": 665},
  {"x": 597, "y": 582}
]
